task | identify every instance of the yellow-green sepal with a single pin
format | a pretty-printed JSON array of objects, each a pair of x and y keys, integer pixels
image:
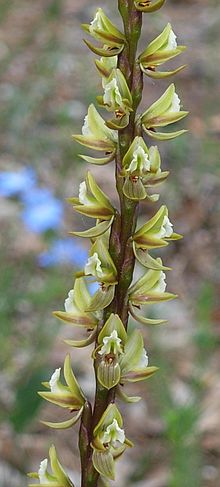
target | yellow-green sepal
[
  {"x": 152, "y": 298},
  {"x": 101, "y": 51},
  {"x": 140, "y": 374},
  {"x": 58, "y": 478},
  {"x": 108, "y": 373},
  {"x": 164, "y": 135},
  {"x": 145, "y": 259},
  {"x": 158, "y": 52},
  {"x": 98, "y": 193},
  {"x": 144, "y": 321},
  {"x": 147, "y": 6},
  {"x": 64, "y": 424},
  {"x": 161, "y": 74},
  {"x": 82, "y": 320},
  {"x": 82, "y": 343},
  {"x": 134, "y": 189},
  {"x": 67, "y": 396},
  {"x": 58, "y": 470},
  {"x": 124, "y": 397},
  {"x": 71, "y": 380},
  {"x": 105, "y": 65},
  {"x": 98, "y": 161},
  {"x": 104, "y": 463},
  {"x": 94, "y": 143},
  {"x": 96, "y": 231},
  {"x": 102, "y": 298},
  {"x": 132, "y": 352}
]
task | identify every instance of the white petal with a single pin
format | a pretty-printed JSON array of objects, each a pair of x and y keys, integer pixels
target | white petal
[
  {"x": 140, "y": 161},
  {"x": 54, "y": 386},
  {"x": 172, "y": 44},
  {"x": 175, "y": 106},
  {"x": 86, "y": 131},
  {"x": 162, "y": 284},
  {"x": 143, "y": 361},
  {"x": 42, "y": 472},
  {"x": 69, "y": 303},
  {"x": 112, "y": 96},
  {"x": 83, "y": 198},
  {"x": 167, "y": 226},
  {"x": 112, "y": 344},
  {"x": 93, "y": 266},
  {"x": 113, "y": 433},
  {"x": 96, "y": 23}
]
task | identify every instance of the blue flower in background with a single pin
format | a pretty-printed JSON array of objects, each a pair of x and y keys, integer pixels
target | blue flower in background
[
  {"x": 13, "y": 183},
  {"x": 36, "y": 195},
  {"x": 63, "y": 251},
  {"x": 43, "y": 213}
]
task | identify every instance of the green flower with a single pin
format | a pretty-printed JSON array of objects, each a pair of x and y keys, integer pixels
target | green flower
[
  {"x": 97, "y": 136},
  {"x": 157, "y": 232},
  {"x": 162, "y": 49},
  {"x": 76, "y": 306},
  {"x": 58, "y": 477},
  {"x": 163, "y": 112},
  {"x": 67, "y": 396},
  {"x": 102, "y": 30},
  {"x": 100, "y": 264},
  {"x": 109, "y": 442},
  {"x": 83, "y": 310},
  {"x": 120, "y": 357},
  {"x": 141, "y": 169},
  {"x": 117, "y": 98},
  {"x": 149, "y": 289},
  {"x": 92, "y": 201}
]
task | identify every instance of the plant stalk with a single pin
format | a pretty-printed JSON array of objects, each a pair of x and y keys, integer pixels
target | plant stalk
[{"x": 122, "y": 229}]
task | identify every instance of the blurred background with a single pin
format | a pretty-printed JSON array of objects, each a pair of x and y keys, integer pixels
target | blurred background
[{"x": 47, "y": 80}]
